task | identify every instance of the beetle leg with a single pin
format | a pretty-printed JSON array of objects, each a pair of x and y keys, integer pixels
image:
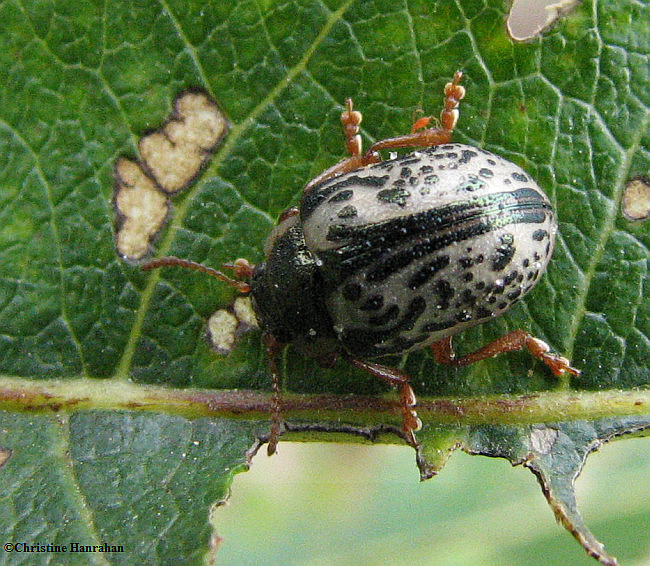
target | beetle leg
[
  {"x": 428, "y": 137},
  {"x": 410, "y": 421},
  {"x": 353, "y": 143},
  {"x": 443, "y": 352},
  {"x": 273, "y": 347}
]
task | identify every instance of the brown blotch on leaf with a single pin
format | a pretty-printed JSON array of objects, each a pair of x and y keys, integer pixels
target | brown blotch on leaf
[
  {"x": 635, "y": 204},
  {"x": 226, "y": 325},
  {"x": 141, "y": 209},
  {"x": 174, "y": 154},
  {"x": 5, "y": 454}
]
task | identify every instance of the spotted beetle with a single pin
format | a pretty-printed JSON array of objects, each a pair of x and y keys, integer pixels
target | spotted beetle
[{"x": 388, "y": 256}]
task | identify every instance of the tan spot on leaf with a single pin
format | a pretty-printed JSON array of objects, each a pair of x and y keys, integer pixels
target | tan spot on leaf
[
  {"x": 141, "y": 206},
  {"x": 175, "y": 154},
  {"x": 636, "y": 199},
  {"x": 222, "y": 326},
  {"x": 243, "y": 308}
]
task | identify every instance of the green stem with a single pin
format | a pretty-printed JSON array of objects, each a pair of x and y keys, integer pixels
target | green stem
[{"x": 79, "y": 395}]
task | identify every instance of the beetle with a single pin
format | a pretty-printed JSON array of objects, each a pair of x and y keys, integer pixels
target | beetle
[{"x": 389, "y": 256}]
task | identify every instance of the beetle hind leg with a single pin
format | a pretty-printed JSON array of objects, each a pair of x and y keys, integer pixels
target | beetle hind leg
[
  {"x": 410, "y": 420},
  {"x": 443, "y": 352}
]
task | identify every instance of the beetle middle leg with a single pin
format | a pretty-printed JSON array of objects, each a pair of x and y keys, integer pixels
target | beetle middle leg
[
  {"x": 421, "y": 136},
  {"x": 443, "y": 352},
  {"x": 410, "y": 421}
]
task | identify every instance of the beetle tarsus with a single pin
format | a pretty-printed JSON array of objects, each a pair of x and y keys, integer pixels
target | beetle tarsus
[{"x": 397, "y": 378}]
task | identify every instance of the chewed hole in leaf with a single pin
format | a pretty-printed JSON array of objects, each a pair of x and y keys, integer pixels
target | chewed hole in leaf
[{"x": 529, "y": 18}]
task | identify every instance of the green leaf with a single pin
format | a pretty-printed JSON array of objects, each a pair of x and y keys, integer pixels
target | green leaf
[{"x": 93, "y": 337}]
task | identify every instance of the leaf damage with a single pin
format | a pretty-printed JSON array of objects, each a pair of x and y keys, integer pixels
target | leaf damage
[
  {"x": 171, "y": 158},
  {"x": 554, "y": 452}
]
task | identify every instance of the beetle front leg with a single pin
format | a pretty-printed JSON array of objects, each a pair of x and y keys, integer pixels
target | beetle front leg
[
  {"x": 273, "y": 348},
  {"x": 410, "y": 421},
  {"x": 350, "y": 119},
  {"x": 443, "y": 352}
]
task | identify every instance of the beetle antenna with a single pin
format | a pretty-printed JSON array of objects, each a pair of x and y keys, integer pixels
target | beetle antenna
[{"x": 171, "y": 261}]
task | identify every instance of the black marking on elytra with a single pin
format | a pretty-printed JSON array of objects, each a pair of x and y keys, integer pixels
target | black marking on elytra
[
  {"x": 520, "y": 278},
  {"x": 547, "y": 251},
  {"x": 510, "y": 277},
  {"x": 536, "y": 256},
  {"x": 389, "y": 315},
  {"x": 369, "y": 342},
  {"x": 352, "y": 291},
  {"x": 492, "y": 162},
  {"x": 451, "y": 155},
  {"x": 348, "y": 211},
  {"x": 414, "y": 181},
  {"x": 514, "y": 295},
  {"x": 445, "y": 293},
  {"x": 520, "y": 177},
  {"x": 408, "y": 160},
  {"x": 469, "y": 276},
  {"x": 471, "y": 185},
  {"x": 480, "y": 285},
  {"x": 373, "y": 303},
  {"x": 387, "y": 165},
  {"x": 431, "y": 179},
  {"x": 482, "y": 312},
  {"x": 405, "y": 173},
  {"x": 426, "y": 169},
  {"x": 464, "y": 316},
  {"x": 397, "y": 196},
  {"x": 504, "y": 253},
  {"x": 526, "y": 262},
  {"x": 320, "y": 193},
  {"x": 502, "y": 305},
  {"x": 429, "y": 231},
  {"x": 485, "y": 172},
  {"x": 497, "y": 287},
  {"x": 342, "y": 196},
  {"x": 467, "y": 156},
  {"x": 467, "y": 298},
  {"x": 466, "y": 262},
  {"x": 427, "y": 271},
  {"x": 539, "y": 235},
  {"x": 436, "y": 326}
]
